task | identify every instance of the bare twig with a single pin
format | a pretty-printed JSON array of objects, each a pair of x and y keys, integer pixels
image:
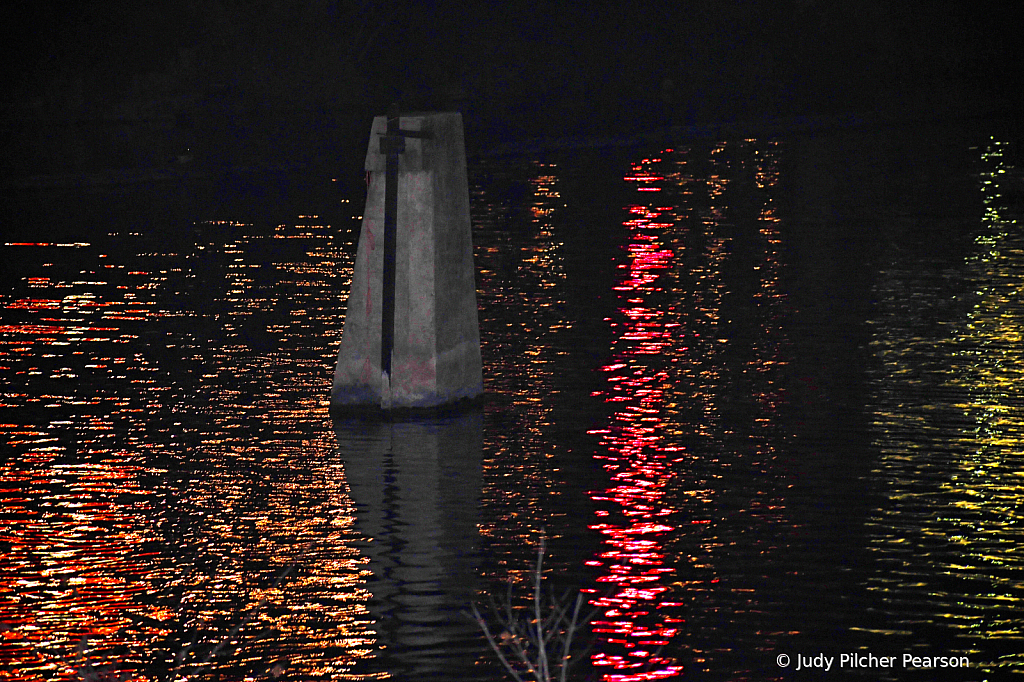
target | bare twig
[
  {"x": 494, "y": 645},
  {"x": 542, "y": 656},
  {"x": 529, "y": 639}
]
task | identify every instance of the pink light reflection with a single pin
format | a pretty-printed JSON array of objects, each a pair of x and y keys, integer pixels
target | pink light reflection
[{"x": 636, "y": 521}]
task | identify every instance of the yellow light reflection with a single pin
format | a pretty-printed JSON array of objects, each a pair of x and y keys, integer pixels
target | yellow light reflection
[{"x": 947, "y": 421}]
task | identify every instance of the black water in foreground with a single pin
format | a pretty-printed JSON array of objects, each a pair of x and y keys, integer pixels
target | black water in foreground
[{"x": 759, "y": 396}]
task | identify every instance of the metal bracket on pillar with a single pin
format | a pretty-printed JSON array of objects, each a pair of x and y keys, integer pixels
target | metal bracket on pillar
[{"x": 392, "y": 143}]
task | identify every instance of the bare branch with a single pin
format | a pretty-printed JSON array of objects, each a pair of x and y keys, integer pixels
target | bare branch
[{"x": 546, "y": 626}]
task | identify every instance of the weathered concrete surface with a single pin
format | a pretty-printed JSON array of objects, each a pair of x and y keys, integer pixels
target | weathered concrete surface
[{"x": 436, "y": 355}]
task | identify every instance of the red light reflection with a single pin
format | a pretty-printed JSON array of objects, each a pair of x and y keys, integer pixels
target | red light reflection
[
  {"x": 698, "y": 301},
  {"x": 637, "y": 617}
]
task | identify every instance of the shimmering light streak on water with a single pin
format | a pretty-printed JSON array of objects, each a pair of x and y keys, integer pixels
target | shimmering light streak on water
[
  {"x": 522, "y": 301},
  {"x": 639, "y": 462},
  {"x": 693, "y": 365},
  {"x": 947, "y": 421},
  {"x": 160, "y": 462}
]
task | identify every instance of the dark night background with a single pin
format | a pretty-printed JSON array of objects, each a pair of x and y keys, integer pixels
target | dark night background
[{"x": 215, "y": 83}]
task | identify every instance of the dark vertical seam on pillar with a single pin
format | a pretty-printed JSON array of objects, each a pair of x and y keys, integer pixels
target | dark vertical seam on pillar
[{"x": 387, "y": 320}]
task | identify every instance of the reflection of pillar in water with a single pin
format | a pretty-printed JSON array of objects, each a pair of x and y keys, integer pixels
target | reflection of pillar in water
[{"x": 416, "y": 487}]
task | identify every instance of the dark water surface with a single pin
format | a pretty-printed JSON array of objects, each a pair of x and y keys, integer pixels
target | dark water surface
[{"x": 760, "y": 397}]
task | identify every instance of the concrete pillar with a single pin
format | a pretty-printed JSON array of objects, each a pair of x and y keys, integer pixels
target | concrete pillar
[{"x": 436, "y": 344}]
